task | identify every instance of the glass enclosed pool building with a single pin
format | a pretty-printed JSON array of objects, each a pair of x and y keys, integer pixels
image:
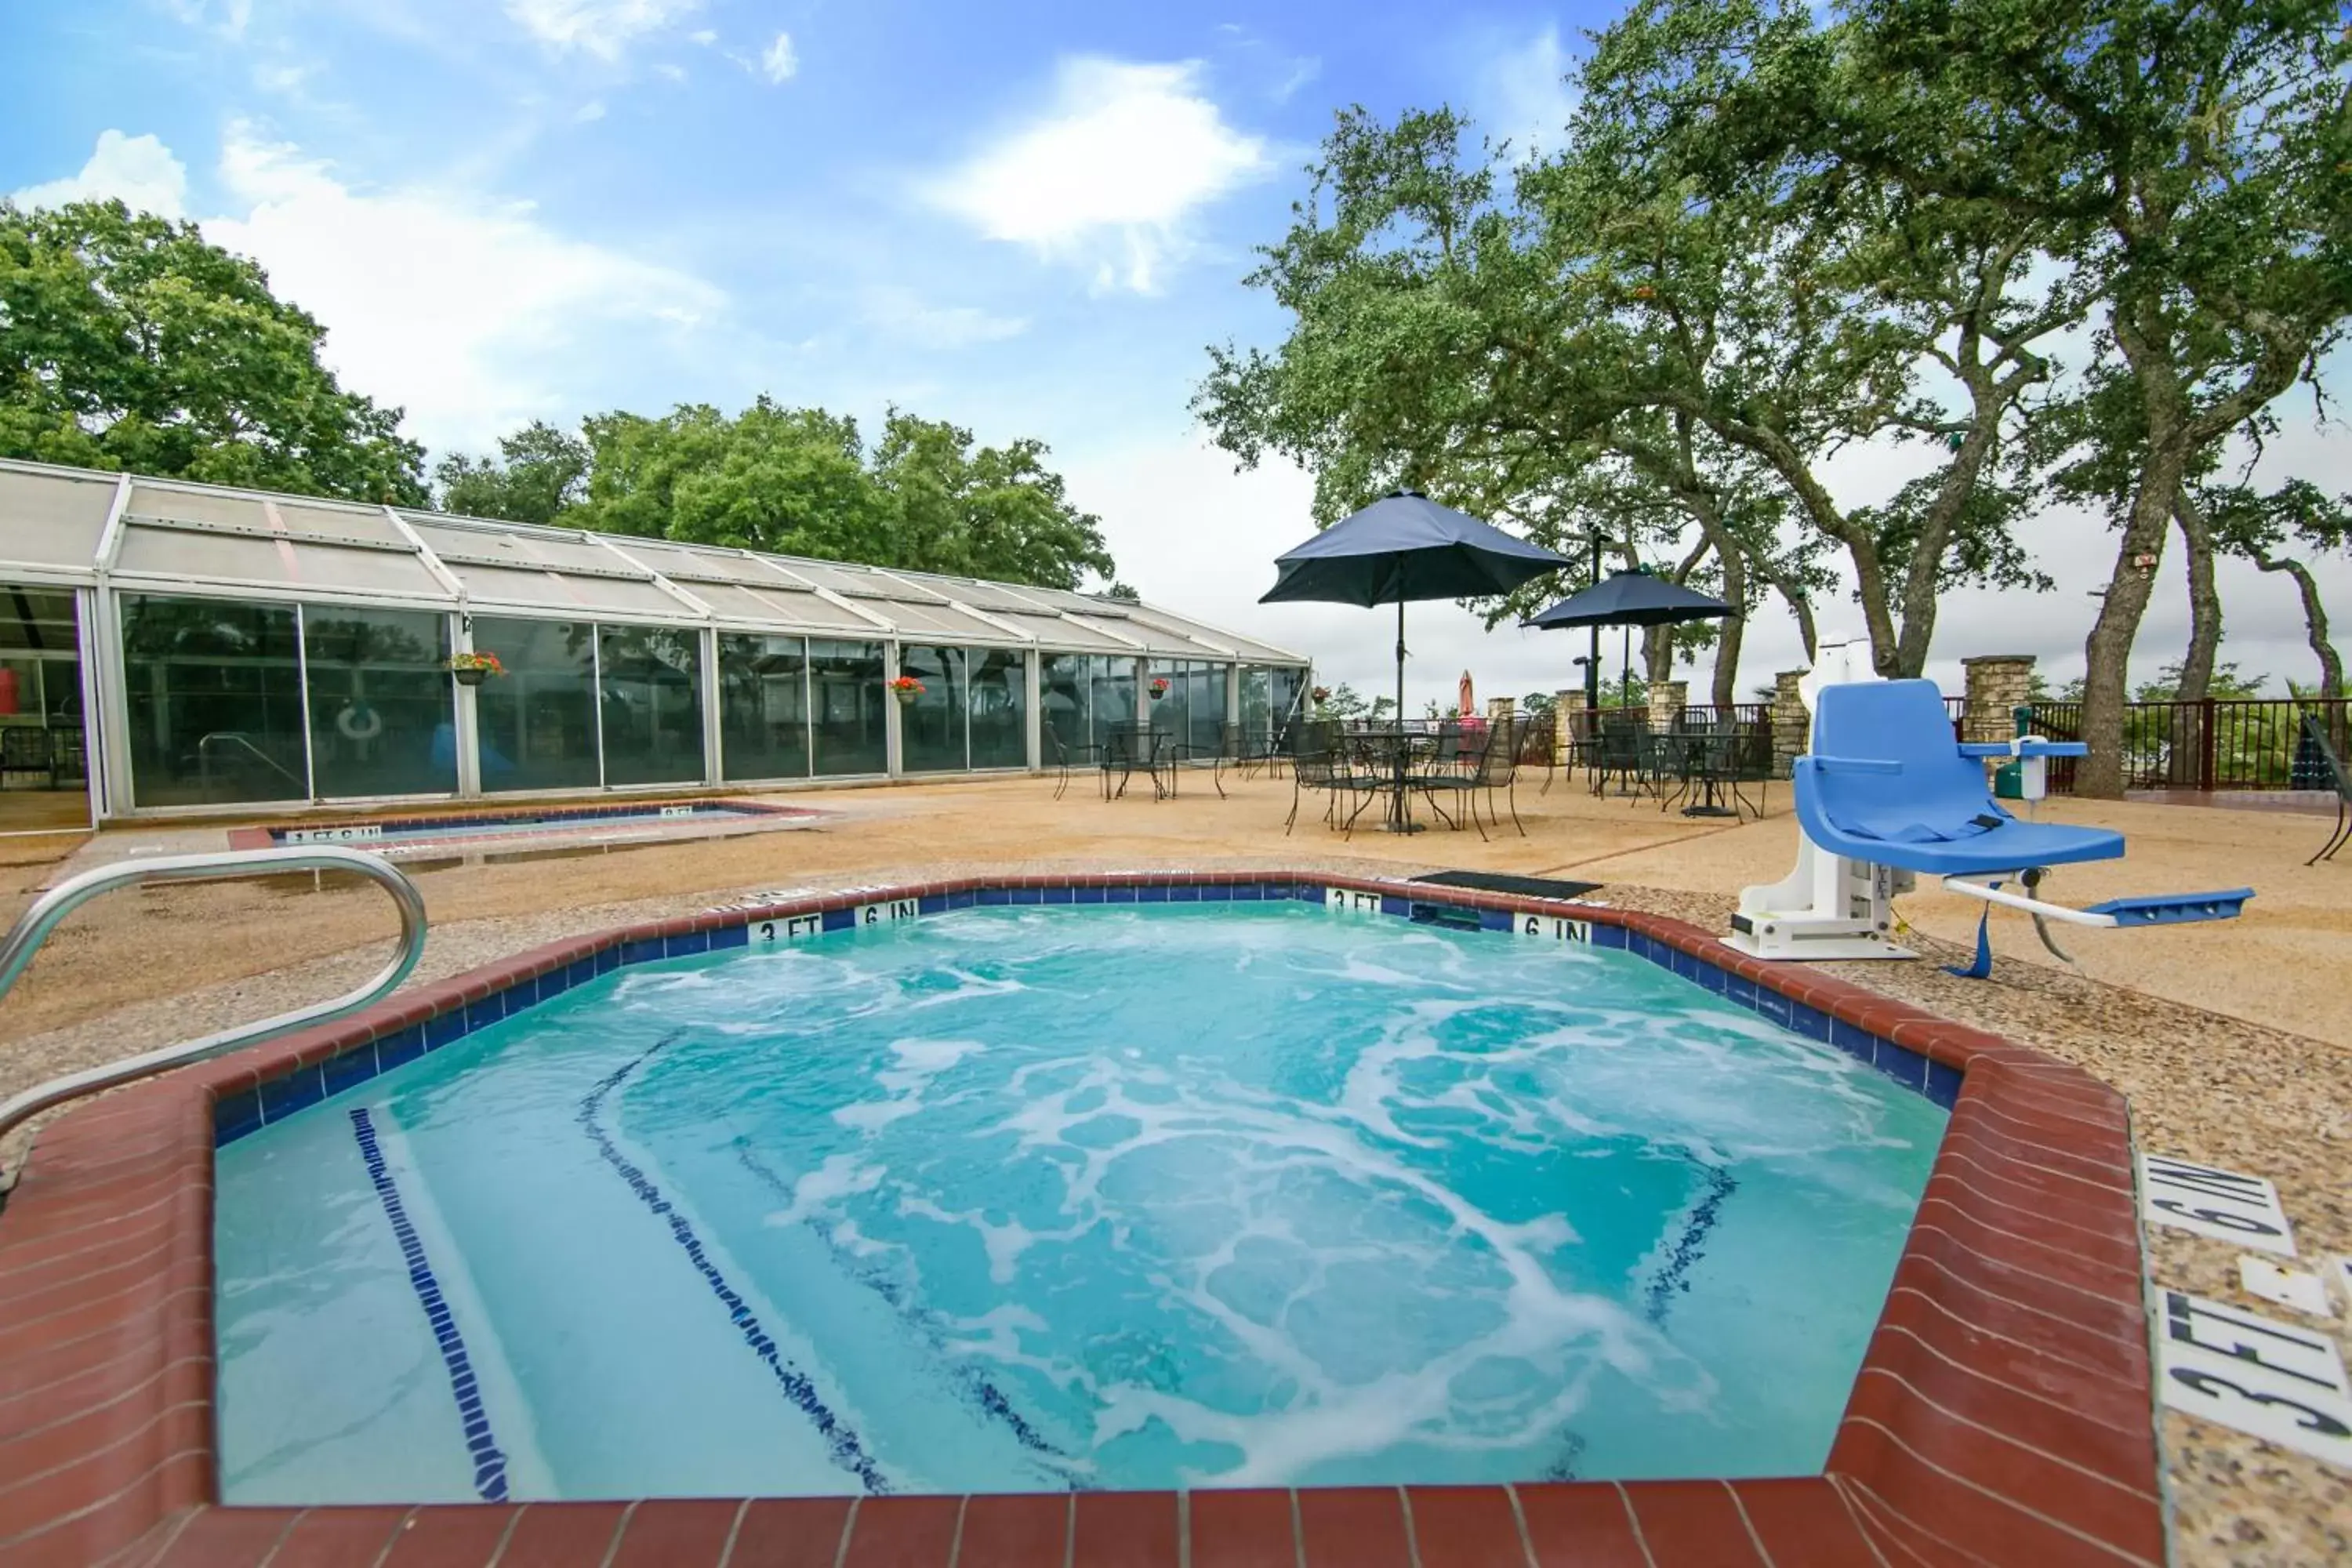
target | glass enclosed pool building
[{"x": 174, "y": 647}]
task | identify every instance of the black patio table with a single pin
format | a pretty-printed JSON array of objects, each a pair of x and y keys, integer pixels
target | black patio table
[
  {"x": 1701, "y": 759},
  {"x": 1138, "y": 745}
]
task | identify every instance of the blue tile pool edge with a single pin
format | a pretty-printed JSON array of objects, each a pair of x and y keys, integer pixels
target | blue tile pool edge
[{"x": 361, "y": 1052}]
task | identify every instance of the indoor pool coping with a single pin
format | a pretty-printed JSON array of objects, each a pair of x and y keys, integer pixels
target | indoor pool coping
[
  {"x": 272, "y": 835},
  {"x": 2003, "y": 1413}
]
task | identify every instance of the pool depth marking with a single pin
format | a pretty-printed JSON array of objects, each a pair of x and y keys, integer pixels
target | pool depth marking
[
  {"x": 489, "y": 1460},
  {"x": 847, "y": 1451}
]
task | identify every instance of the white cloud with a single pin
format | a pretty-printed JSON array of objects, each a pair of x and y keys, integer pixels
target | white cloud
[
  {"x": 902, "y": 315},
  {"x": 779, "y": 63},
  {"x": 705, "y": 37},
  {"x": 1108, "y": 175},
  {"x": 284, "y": 77},
  {"x": 139, "y": 170},
  {"x": 229, "y": 17},
  {"x": 594, "y": 110},
  {"x": 1526, "y": 95},
  {"x": 600, "y": 27},
  {"x": 465, "y": 309},
  {"x": 670, "y": 72}
]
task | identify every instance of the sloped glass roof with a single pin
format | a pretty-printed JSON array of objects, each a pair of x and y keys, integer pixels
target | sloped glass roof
[
  {"x": 209, "y": 541},
  {"x": 52, "y": 519}
]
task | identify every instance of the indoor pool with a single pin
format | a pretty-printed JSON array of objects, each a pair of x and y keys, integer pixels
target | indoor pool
[{"x": 1044, "y": 1198}]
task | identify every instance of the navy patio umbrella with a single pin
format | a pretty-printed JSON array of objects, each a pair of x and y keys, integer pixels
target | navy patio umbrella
[
  {"x": 1631, "y": 599},
  {"x": 1405, "y": 546}
]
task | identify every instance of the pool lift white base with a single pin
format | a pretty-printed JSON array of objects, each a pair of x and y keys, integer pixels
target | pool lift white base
[
  {"x": 1831, "y": 906},
  {"x": 1838, "y": 907}
]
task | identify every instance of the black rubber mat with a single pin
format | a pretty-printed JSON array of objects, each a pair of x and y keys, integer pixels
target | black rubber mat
[{"x": 1495, "y": 882}]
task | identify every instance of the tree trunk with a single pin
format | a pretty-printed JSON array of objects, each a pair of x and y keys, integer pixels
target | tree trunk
[
  {"x": 1725, "y": 683},
  {"x": 2146, "y": 344},
  {"x": 2184, "y": 767},
  {"x": 2204, "y": 600},
  {"x": 1801, "y": 608},
  {"x": 1926, "y": 562},
  {"x": 2314, "y": 620},
  {"x": 2107, "y": 653}
]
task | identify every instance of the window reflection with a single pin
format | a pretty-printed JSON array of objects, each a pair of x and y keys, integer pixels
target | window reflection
[
  {"x": 651, "y": 680},
  {"x": 763, "y": 707},
  {"x": 845, "y": 701},
  {"x": 382, "y": 702},
  {"x": 215, "y": 701},
  {"x": 538, "y": 720}
]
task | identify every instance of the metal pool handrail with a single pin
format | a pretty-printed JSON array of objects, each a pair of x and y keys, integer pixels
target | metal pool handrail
[{"x": 33, "y": 926}]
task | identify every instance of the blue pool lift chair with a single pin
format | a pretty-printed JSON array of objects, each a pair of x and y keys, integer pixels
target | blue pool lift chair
[{"x": 1886, "y": 795}]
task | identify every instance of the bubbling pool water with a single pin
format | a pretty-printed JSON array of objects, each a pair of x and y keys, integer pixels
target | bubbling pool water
[{"x": 1013, "y": 1199}]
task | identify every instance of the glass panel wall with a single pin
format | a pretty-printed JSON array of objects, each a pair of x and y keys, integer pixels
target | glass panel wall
[
  {"x": 1114, "y": 697},
  {"x": 42, "y": 752},
  {"x": 382, "y": 706},
  {"x": 1204, "y": 685},
  {"x": 1168, "y": 712},
  {"x": 1284, "y": 683},
  {"x": 933, "y": 734},
  {"x": 763, "y": 709},
  {"x": 1257, "y": 720},
  {"x": 1000, "y": 708},
  {"x": 215, "y": 701},
  {"x": 1066, "y": 695},
  {"x": 537, "y": 721},
  {"x": 651, "y": 686},
  {"x": 846, "y": 699}
]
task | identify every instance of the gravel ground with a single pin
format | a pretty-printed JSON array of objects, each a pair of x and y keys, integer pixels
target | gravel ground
[{"x": 2228, "y": 1090}]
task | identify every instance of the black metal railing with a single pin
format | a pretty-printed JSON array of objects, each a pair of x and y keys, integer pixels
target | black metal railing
[{"x": 2221, "y": 744}]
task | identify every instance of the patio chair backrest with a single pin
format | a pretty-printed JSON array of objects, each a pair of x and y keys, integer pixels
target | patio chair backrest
[
  {"x": 1622, "y": 732},
  {"x": 1538, "y": 738},
  {"x": 1500, "y": 760},
  {"x": 2338, "y": 777}
]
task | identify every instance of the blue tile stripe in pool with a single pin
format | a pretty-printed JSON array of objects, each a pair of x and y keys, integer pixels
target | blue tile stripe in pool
[
  {"x": 847, "y": 1451},
  {"x": 235, "y": 1115},
  {"x": 489, "y": 1460}
]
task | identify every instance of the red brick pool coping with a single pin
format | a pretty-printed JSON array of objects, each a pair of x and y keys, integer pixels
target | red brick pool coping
[{"x": 2003, "y": 1413}]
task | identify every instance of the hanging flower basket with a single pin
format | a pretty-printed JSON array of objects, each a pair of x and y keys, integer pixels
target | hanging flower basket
[
  {"x": 473, "y": 668},
  {"x": 905, "y": 688},
  {"x": 1159, "y": 687}
]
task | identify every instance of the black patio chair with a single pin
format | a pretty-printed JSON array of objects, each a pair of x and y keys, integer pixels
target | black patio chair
[
  {"x": 1247, "y": 752},
  {"x": 1330, "y": 771},
  {"x": 1623, "y": 751},
  {"x": 1062, "y": 757},
  {"x": 1495, "y": 767},
  {"x": 1129, "y": 749},
  {"x": 1539, "y": 746},
  {"x": 2332, "y": 771},
  {"x": 25, "y": 751}
]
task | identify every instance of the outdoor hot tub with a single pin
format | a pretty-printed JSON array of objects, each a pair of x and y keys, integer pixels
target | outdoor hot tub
[{"x": 1133, "y": 1202}]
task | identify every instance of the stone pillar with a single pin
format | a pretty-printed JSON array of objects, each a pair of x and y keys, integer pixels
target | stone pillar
[
  {"x": 1791, "y": 725},
  {"x": 1997, "y": 683},
  {"x": 1501, "y": 708},
  {"x": 1569, "y": 708},
  {"x": 1667, "y": 699}
]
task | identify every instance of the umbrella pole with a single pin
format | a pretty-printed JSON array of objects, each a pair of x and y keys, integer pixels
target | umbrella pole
[{"x": 1399, "y": 821}]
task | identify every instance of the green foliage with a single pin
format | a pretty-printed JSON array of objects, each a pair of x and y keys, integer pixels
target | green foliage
[
  {"x": 1344, "y": 701},
  {"x": 539, "y": 471},
  {"x": 1659, "y": 336},
  {"x": 129, "y": 342},
  {"x": 798, "y": 481},
  {"x": 2226, "y": 684}
]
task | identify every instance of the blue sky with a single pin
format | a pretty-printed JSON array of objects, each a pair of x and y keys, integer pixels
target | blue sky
[{"x": 1027, "y": 217}]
